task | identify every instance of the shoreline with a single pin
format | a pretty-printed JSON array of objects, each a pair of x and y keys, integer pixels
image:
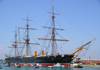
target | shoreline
[{"x": 89, "y": 65}]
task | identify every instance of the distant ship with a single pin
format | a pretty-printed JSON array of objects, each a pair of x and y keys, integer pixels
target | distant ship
[{"x": 43, "y": 59}]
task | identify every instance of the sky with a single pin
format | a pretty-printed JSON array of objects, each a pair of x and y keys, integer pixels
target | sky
[{"x": 80, "y": 20}]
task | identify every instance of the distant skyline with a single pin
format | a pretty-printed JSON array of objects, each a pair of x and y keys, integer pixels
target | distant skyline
[{"x": 80, "y": 20}]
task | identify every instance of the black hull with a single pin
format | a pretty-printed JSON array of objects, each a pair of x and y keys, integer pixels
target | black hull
[{"x": 41, "y": 59}]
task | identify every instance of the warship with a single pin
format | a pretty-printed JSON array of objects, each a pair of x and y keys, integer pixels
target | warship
[{"x": 43, "y": 59}]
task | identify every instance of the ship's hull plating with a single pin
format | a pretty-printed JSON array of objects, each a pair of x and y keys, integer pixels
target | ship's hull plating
[{"x": 42, "y": 60}]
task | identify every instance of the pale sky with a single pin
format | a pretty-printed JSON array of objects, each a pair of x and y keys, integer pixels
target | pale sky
[{"x": 79, "y": 18}]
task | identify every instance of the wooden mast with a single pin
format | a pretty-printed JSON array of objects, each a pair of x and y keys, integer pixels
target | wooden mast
[
  {"x": 53, "y": 30},
  {"x": 15, "y": 40},
  {"x": 15, "y": 46},
  {"x": 27, "y": 39}
]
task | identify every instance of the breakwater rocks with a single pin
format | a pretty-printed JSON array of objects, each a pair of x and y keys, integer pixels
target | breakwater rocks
[{"x": 90, "y": 65}]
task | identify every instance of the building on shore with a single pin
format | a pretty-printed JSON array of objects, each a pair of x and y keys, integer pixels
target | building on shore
[{"x": 88, "y": 61}]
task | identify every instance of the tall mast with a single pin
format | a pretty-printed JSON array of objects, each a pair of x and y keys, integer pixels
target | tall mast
[
  {"x": 15, "y": 46},
  {"x": 27, "y": 38},
  {"x": 53, "y": 30},
  {"x": 15, "y": 40}
]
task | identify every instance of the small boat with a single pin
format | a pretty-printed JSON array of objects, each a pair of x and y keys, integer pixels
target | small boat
[
  {"x": 58, "y": 65},
  {"x": 50, "y": 66},
  {"x": 16, "y": 64},
  {"x": 75, "y": 65},
  {"x": 35, "y": 66},
  {"x": 31, "y": 65},
  {"x": 78, "y": 66},
  {"x": 7, "y": 64},
  {"x": 25, "y": 64},
  {"x": 63, "y": 66}
]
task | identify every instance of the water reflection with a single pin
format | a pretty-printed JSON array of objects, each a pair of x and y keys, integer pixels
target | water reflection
[
  {"x": 44, "y": 68},
  {"x": 31, "y": 68}
]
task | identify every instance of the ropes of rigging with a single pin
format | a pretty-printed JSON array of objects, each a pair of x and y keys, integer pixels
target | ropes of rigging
[
  {"x": 23, "y": 35},
  {"x": 22, "y": 49},
  {"x": 33, "y": 37},
  {"x": 67, "y": 34},
  {"x": 42, "y": 29},
  {"x": 11, "y": 51}
]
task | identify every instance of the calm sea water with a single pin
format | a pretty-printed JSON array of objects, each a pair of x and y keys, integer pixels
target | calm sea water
[{"x": 45, "y": 68}]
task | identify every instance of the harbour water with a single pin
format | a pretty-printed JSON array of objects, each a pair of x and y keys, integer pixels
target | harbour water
[{"x": 12, "y": 67}]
